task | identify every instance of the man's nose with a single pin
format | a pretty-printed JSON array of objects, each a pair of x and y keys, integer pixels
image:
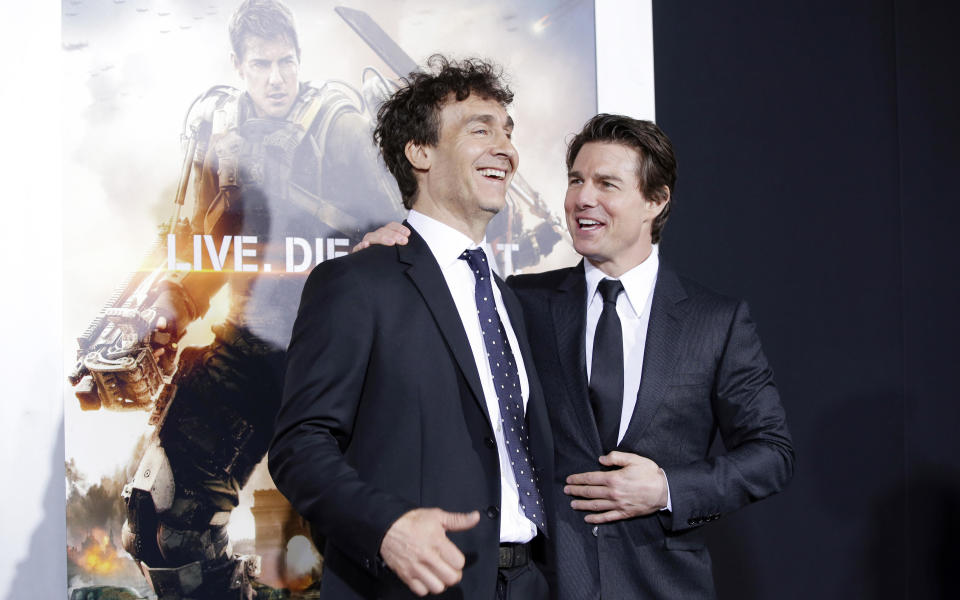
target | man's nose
[
  {"x": 585, "y": 197},
  {"x": 505, "y": 148},
  {"x": 275, "y": 77}
]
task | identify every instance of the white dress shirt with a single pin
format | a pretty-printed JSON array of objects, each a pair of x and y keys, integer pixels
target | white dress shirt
[
  {"x": 447, "y": 244},
  {"x": 633, "y": 308}
]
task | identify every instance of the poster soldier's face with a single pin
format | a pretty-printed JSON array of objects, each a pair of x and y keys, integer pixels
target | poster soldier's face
[
  {"x": 201, "y": 189},
  {"x": 270, "y": 72}
]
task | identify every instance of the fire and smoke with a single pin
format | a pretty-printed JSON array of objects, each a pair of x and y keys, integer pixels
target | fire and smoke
[
  {"x": 303, "y": 564},
  {"x": 97, "y": 555},
  {"x": 92, "y": 505},
  {"x": 95, "y": 515}
]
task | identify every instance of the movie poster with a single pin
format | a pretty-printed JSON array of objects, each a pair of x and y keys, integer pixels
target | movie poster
[{"x": 160, "y": 131}]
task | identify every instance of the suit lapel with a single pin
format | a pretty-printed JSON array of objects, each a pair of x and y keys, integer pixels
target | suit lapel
[
  {"x": 426, "y": 275},
  {"x": 568, "y": 308},
  {"x": 660, "y": 352}
]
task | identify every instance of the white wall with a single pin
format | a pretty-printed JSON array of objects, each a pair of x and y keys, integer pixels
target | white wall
[{"x": 32, "y": 529}]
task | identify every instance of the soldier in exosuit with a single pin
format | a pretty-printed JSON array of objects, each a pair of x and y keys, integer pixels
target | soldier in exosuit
[{"x": 281, "y": 159}]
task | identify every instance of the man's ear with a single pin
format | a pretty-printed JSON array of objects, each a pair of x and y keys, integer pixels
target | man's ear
[
  {"x": 418, "y": 156},
  {"x": 658, "y": 201},
  {"x": 236, "y": 63}
]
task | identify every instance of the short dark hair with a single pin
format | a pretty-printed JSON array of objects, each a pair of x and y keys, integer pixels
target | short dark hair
[
  {"x": 412, "y": 113},
  {"x": 656, "y": 167},
  {"x": 268, "y": 19}
]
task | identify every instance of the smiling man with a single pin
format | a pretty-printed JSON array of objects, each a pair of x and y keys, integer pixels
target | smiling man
[
  {"x": 413, "y": 434},
  {"x": 642, "y": 368}
]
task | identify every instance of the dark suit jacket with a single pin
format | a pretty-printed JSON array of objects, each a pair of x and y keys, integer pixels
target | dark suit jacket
[
  {"x": 703, "y": 372},
  {"x": 383, "y": 412}
]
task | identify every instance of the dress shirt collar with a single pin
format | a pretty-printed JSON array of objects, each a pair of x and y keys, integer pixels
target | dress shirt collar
[
  {"x": 445, "y": 242},
  {"x": 637, "y": 282}
]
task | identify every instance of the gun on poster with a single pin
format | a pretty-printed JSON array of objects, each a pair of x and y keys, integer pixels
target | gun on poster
[{"x": 116, "y": 367}]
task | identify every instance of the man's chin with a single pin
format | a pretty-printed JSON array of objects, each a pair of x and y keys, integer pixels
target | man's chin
[
  {"x": 584, "y": 248},
  {"x": 493, "y": 206}
]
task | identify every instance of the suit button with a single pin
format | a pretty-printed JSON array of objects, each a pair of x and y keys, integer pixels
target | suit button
[
  {"x": 489, "y": 442},
  {"x": 595, "y": 531},
  {"x": 492, "y": 512}
]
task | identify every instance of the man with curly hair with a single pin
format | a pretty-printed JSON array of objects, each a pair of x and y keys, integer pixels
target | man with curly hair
[{"x": 413, "y": 433}]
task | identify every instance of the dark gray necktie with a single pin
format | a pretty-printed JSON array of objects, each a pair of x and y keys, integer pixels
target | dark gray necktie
[
  {"x": 506, "y": 381},
  {"x": 606, "y": 367}
]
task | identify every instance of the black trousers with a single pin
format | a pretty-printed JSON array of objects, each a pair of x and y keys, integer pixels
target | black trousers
[{"x": 522, "y": 583}]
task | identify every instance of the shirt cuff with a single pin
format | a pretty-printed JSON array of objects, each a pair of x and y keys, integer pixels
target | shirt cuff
[{"x": 669, "y": 506}]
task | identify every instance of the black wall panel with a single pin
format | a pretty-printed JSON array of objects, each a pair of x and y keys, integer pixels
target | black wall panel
[{"x": 817, "y": 148}]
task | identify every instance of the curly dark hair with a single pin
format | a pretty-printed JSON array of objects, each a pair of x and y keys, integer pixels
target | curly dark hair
[
  {"x": 268, "y": 19},
  {"x": 412, "y": 113},
  {"x": 656, "y": 167}
]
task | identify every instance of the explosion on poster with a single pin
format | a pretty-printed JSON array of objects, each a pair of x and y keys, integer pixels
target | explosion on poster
[{"x": 145, "y": 83}]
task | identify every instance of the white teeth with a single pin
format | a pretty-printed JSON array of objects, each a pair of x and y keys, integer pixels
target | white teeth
[
  {"x": 587, "y": 222},
  {"x": 498, "y": 173}
]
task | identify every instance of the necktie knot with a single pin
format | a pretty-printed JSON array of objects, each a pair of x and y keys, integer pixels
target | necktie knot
[
  {"x": 477, "y": 260},
  {"x": 609, "y": 290}
]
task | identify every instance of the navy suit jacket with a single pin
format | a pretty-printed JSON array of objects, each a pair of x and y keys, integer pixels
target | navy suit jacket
[
  {"x": 703, "y": 373},
  {"x": 383, "y": 412}
]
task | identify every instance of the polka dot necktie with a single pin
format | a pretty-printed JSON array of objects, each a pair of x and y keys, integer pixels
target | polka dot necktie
[
  {"x": 606, "y": 367},
  {"x": 506, "y": 380}
]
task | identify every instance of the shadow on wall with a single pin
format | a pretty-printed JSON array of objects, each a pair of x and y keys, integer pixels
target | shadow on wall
[{"x": 40, "y": 574}]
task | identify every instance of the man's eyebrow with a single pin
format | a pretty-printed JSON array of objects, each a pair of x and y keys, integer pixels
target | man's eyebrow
[
  {"x": 607, "y": 177},
  {"x": 489, "y": 119},
  {"x": 596, "y": 177}
]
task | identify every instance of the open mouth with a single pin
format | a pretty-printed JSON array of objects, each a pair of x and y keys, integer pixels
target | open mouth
[
  {"x": 497, "y": 174},
  {"x": 588, "y": 224}
]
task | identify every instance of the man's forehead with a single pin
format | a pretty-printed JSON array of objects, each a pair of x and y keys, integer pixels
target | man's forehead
[
  {"x": 475, "y": 108},
  {"x": 255, "y": 46},
  {"x": 609, "y": 154}
]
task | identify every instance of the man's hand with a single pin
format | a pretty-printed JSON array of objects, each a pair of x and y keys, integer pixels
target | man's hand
[
  {"x": 163, "y": 339},
  {"x": 416, "y": 548},
  {"x": 638, "y": 488},
  {"x": 391, "y": 234}
]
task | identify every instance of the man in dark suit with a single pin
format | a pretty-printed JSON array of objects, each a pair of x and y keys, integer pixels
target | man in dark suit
[
  {"x": 413, "y": 433},
  {"x": 642, "y": 368}
]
